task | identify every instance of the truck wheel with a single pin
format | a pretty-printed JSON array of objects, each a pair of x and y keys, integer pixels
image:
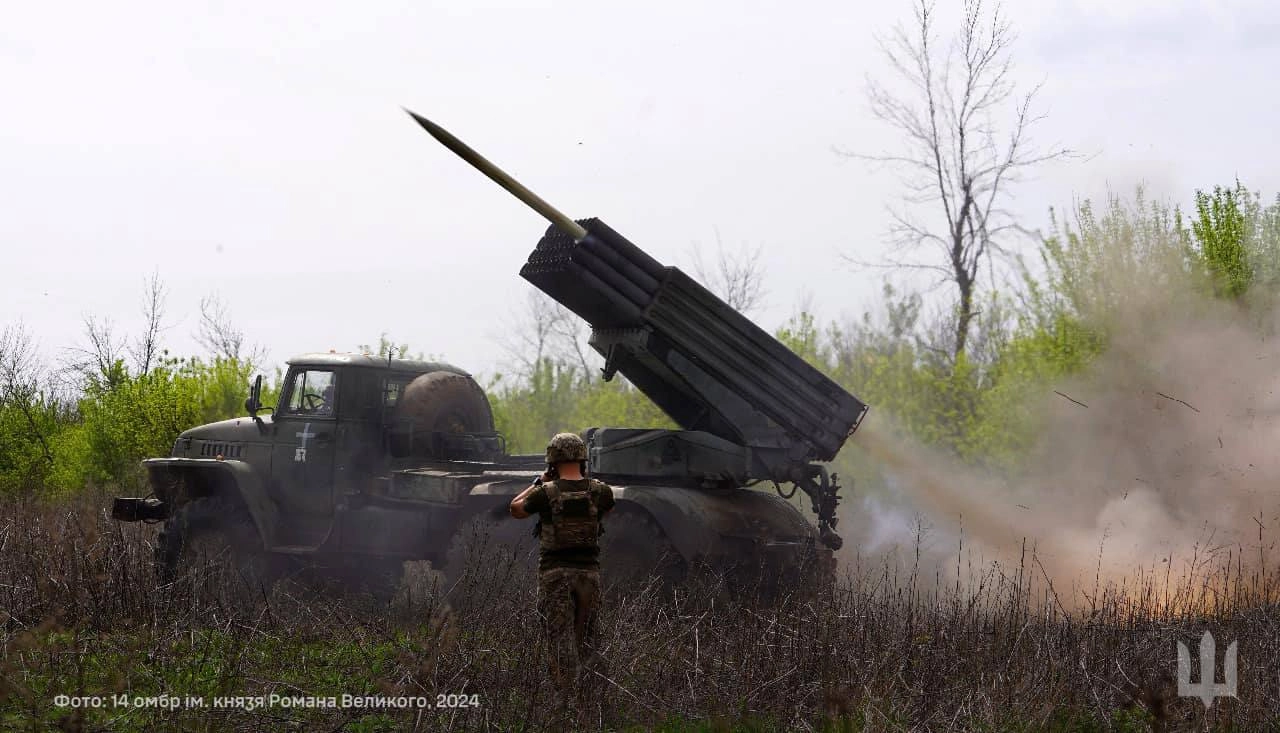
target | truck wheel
[
  {"x": 486, "y": 552},
  {"x": 635, "y": 553},
  {"x": 213, "y": 537}
]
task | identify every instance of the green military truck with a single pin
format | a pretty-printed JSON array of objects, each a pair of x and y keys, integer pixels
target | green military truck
[{"x": 367, "y": 462}]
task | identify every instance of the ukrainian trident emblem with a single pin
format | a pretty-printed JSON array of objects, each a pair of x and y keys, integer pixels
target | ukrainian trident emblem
[{"x": 1207, "y": 688}]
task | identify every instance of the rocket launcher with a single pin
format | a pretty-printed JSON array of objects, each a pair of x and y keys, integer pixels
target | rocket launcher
[{"x": 750, "y": 408}]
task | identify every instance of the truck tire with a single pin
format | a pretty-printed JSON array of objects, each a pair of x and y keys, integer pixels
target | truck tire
[
  {"x": 446, "y": 402},
  {"x": 214, "y": 535},
  {"x": 636, "y": 554},
  {"x": 488, "y": 552}
]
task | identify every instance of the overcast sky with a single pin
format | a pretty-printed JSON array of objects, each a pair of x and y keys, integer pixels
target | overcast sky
[{"x": 258, "y": 150}]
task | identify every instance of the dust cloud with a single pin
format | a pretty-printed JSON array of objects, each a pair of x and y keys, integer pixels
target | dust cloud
[{"x": 1161, "y": 461}]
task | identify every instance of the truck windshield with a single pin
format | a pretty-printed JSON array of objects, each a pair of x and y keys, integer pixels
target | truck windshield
[{"x": 312, "y": 393}]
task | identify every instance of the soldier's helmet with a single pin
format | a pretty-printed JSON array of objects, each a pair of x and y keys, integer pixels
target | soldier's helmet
[{"x": 566, "y": 447}]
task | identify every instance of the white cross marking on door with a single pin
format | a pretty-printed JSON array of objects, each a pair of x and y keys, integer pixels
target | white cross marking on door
[{"x": 300, "y": 453}]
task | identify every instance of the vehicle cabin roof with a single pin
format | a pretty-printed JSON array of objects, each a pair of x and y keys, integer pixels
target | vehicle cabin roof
[{"x": 333, "y": 359}]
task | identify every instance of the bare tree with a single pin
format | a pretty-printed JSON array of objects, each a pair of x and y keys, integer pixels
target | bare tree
[
  {"x": 529, "y": 331},
  {"x": 146, "y": 349},
  {"x": 98, "y": 361},
  {"x": 545, "y": 329},
  {"x": 737, "y": 277},
  {"x": 571, "y": 339},
  {"x": 20, "y": 380},
  {"x": 221, "y": 338},
  {"x": 958, "y": 161}
]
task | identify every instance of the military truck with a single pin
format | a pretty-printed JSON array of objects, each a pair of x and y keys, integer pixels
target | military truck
[{"x": 368, "y": 461}]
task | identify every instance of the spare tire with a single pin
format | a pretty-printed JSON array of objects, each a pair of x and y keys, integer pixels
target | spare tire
[
  {"x": 446, "y": 402},
  {"x": 433, "y": 403}
]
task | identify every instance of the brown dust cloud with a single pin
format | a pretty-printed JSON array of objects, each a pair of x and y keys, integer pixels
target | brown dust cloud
[{"x": 1159, "y": 466}]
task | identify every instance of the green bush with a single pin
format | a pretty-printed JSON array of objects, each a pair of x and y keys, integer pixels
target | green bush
[
  {"x": 558, "y": 397},
  {"x": 56, "y": 446}
]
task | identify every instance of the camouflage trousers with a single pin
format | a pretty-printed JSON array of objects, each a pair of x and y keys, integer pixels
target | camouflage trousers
[{"x": 568, "y": 601}]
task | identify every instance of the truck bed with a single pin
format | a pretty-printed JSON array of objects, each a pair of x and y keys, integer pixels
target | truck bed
[{"x": 449, "y": 483}]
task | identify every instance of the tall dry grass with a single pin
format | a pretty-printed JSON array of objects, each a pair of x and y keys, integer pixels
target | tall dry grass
[{"x": 885, "y": 649}]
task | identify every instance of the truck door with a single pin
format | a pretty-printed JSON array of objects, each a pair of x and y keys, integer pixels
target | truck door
[{"x": 303, "y": 456}]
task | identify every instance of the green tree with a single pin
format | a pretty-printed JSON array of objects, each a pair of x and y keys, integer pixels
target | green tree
[
  {"x": 137, "y": 418},
  {"x": 556, "y": 398},
  {"x": 388, "y": 348},
  {"x": 1224, "y": 223}
]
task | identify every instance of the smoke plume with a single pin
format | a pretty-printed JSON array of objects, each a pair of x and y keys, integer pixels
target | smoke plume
[{"x": 1160, "y": 460}]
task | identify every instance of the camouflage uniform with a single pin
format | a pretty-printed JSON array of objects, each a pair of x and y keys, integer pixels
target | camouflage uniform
[
  {"x": 569, "y": 587},
  {"x": 568, "y": 599}
]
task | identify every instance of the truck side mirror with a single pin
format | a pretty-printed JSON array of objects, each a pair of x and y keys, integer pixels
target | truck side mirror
[{"x": 253, "y": 402}]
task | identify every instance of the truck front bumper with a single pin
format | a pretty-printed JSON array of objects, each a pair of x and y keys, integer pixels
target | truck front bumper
[{"x": 139, "y": 510}]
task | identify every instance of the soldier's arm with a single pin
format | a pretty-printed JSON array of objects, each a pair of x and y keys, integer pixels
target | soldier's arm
[
  {"x": 517, "y": 504},
  {"x": 517, "y": 507},
  {"x": 606, "y": 498}
]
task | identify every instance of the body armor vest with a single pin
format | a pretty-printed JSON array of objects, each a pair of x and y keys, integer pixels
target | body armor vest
[{"x": 575, "y": 519}]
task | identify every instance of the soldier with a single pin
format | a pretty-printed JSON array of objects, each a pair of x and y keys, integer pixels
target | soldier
[{"x": 570, "y": 507}]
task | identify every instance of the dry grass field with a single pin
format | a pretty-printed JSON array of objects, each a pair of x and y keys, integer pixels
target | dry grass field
[{"x": 82, "y": 615}]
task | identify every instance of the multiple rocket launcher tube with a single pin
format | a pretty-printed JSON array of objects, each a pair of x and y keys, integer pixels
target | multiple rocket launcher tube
[{"x": 702, "y": 362}]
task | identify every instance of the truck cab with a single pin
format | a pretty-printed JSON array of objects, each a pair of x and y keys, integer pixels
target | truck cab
[{"x": 314, "y": 472}]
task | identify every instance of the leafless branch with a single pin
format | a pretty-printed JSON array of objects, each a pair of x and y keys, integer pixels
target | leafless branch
[
  {"x": 525, "y": 341},
  {"x": 543, "y": 329},
  {"x": 571, "y": 336},
  {"x": 147, "y": 347},
  {"x": 966, "y": 140},
  {"x": 99, "y": 361},
  {"x": 737, "y": 277},
  {"x": 219, "y": 336}
]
